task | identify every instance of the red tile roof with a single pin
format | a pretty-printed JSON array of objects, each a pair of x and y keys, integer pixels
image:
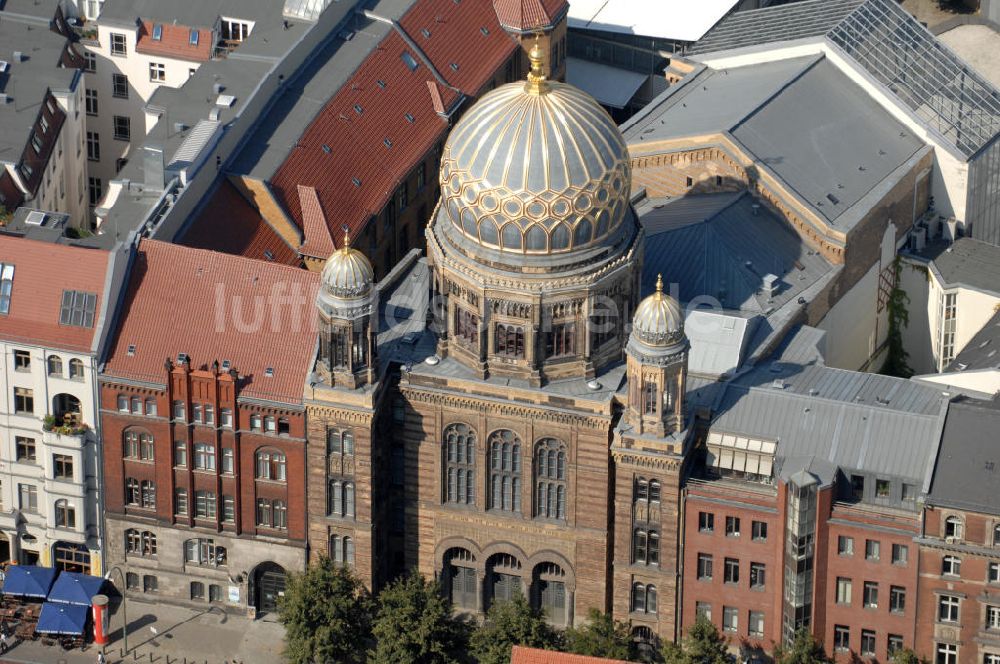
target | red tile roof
[
  {"x": 214, "y": 306},
  {"x": 42, "y": 271},
  {"x": 343, "y": 153},
  {"x": 464, "y": 34},
  {"x": 175, "y": 42},
  {"x": 524, "y": 655},
  {"x": 228, "y": 223},
  {"x": 523, "y": 15},
  {"x": 318, "y": 241}
]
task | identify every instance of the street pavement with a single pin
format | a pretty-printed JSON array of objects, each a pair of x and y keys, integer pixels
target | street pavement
[{"x": 182, "y": 636}]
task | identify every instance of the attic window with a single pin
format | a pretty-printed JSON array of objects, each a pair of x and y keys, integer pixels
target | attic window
[
  {"x": 358, "y": 109},
  {"x": 485, "y": 31},
  {"x": 193, "y": 38},
  {"x": 269, "y": 372},
  {"x": 409, "y": 117},
  {"x": 157, "y": 32},
  {"x": 268, "y": 255},
  {"x": 326, "y": 148},
  {"x": 6, "y": 283},
  {"x": 356, "y": 181},
  {"x": 182, "y": 358},
  {"x": 387, "y": 142},
  {"x": 454, "y": 66},
  {"x": 425, "y": 32},
  {"x": 77, "y": 308},
  {"x": 131, "y": 350},
  {"x": 381, "y": 83},
  {"x": 226, "y": 364},
  {"x": 409, "y": 61}
]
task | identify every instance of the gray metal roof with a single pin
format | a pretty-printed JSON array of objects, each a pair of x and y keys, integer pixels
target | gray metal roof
[
  {"x": 893, "y": 48},
  {"x": 796, "y": 20},
  {"x": 800, "y": 118},
  {"x": 725, "y": 253},
  {"x": 982, "y": 351},
  {"x": 846, "y": 419},
  {"x": 828, "y": 139},
  {"x": 202, "y": 13},
  {"x": 967, "y": 475},
  {"x": 26, "y": 81},
  {"x": 710, "y": 100},
  {"x": 970, "y": 263}
]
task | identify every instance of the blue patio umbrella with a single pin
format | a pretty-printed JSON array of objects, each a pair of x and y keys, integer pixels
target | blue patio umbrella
[
  {"x": 62, "y": 619},
  {"x": 29, "y": 581},
  {"x": 75, "y": 588}
]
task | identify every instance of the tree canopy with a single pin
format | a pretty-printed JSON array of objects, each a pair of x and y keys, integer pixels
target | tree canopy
[
  {"x": 702, "y": 645},
  {"x": 414, "y": 625},
  {"x": 508, "y": 624},
  {"x": 326, "y": 612},
  {"x": 601, "y": 636},
  {"x": 804, "y": 649}
]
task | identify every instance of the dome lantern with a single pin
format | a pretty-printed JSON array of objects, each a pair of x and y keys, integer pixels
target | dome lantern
[
  {"x": 658, "y": 320},
  {"x": 348, "y": 273}
]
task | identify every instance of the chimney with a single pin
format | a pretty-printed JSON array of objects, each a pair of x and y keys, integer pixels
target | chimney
[{"x": 770, "y": 285}]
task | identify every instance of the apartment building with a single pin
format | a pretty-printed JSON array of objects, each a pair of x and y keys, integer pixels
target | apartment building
[
  {"x": 42, "y": 161},
  {"x": 52, "y": 328},
  {"x": 958, "y": 605},
  {"x": 204, "y": 428},
  {"x": 132, "y": 50}
]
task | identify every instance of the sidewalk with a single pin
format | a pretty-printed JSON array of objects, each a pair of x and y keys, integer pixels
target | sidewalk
[{"x": 197, "y": 637}]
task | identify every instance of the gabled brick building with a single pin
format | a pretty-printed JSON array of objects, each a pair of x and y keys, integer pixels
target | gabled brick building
[{"x": 204, "y": 446}]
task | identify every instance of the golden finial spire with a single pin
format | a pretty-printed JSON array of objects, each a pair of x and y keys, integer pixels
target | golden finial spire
[
  {"x": 659, "y": 284},
  {"x": 346, "y": 246},
  {"x": 536, "y": 77}
]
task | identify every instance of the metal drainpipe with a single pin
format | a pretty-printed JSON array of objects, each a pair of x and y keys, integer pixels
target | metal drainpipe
[{"x": 679, "y": 574}]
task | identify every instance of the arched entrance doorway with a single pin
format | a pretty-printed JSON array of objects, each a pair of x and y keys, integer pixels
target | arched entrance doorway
[{"x": 269, "y": 584}]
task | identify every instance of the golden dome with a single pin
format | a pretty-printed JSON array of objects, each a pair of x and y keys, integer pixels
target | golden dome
[
  {"x": 535, "y": 167},
  {"x": 347, "y": 272},
  {"x": 658, "y": 319}
]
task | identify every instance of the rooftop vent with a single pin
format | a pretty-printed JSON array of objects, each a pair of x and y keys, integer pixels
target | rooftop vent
[
  {"x": 225, "y": 101},
  {"x": 771, "y": 285},
  {"x": 833, "y": 199},
  {"x": 179, "y": 126},
  {"x": 778, "y": 384},
  {"x": 18, "y": 56},
  {"x": 3, "y": 66},
  {"x": 882, "y": 400},
  {"x": 217, "y": 88},
  {"x": 35, "y": 218},
  {"x": 4, "y": 98}
]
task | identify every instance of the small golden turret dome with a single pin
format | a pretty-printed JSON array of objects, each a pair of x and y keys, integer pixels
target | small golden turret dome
[
  {"x": 658, "y": 320},
  {"x": 348, "y": 273}
]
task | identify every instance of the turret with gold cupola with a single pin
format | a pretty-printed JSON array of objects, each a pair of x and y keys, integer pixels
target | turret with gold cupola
[
  {"x": 657, "y": 356},
  {"x": 348, "y": 315}
]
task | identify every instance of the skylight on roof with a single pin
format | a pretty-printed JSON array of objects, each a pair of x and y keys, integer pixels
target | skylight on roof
[
  {"x": 387, "y": 142},
  {"x": 381, "y": 83},
  {"x": 485, "y": 31},
  {"x": 425, "y": 32},
  {"x": 409, "y": 117},
  {"x": 77, "y": 308},
  {"x": 157, "y": 32},
  {"x": 358, "y": 109},
  {"x": 6, "y": 284},
  {"x": 193, "y": 37},
  {"x": 454, "y": 66},
  {"x": 409, "y": 61},
  {"x": 356, "y": 182}
]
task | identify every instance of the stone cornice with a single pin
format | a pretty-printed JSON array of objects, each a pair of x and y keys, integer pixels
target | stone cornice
[
  {"x": 647, "y": 460},
  {"x": 505, "y": 408}
]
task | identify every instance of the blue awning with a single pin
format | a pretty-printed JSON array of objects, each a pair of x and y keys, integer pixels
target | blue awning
[
  {"x": 29, "y": 581},
  {"x": 75, "y": 588},
  {"x": 62, "y": 619}
]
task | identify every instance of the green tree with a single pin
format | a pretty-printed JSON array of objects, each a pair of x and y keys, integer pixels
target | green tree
[
  {"x": 601, "y": 636},
  {"x": 804, "y": 649},
  {"x": 509, "y": 624},
  {"x": 906, "y": 656},
  {"x": 414, "y": 625},
  {"x": 326, "y": 612},
  {"x": 895, "y": 360}
]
